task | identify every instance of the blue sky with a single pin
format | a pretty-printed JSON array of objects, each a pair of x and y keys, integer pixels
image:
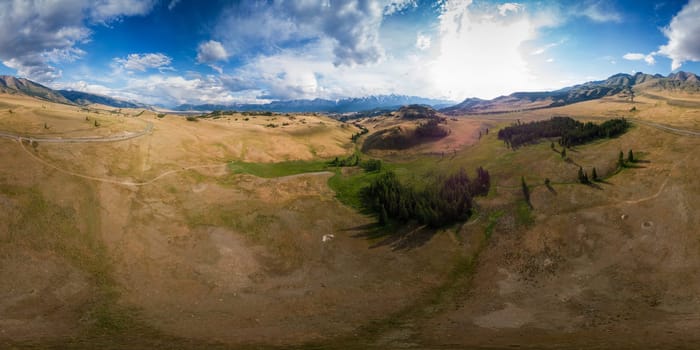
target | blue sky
[{"x": 171, "y": 52}]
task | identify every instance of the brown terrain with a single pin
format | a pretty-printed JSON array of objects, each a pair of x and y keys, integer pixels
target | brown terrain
[{"x": 153, "y": 242}]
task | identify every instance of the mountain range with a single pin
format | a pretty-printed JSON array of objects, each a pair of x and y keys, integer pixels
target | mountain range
[
  {"x": 618, "y": 84},
  {"x": 347, "y": 105}
]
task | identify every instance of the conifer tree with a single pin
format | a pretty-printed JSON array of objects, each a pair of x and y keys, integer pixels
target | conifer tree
[
  {"x": 563, "y": 152},
  {"x": 630, "y": 157},
  {"x": 594, "y": 175},
  {"x": 621, "y": 160},
  {"x": 526, "y": 190}
]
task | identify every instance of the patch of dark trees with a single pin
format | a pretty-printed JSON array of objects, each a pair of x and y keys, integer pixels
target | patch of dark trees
[
  {"x": 569, "y": 131},
  {"x": 356, "y": 136},
  {"x": 446, "y": 201}
]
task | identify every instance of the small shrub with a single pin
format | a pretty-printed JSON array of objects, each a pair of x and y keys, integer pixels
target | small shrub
[
  {"x": 191, "y": 118},
  {"x": 371, "y": 165}
]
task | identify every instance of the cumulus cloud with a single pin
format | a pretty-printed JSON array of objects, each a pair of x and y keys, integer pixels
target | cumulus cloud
[
  {"x": 649, "y": 59},
  {"x": 503, "y": 9},
  {"x": 143, "y": 62},
  {"x": 683, "y": 33},
  {"x": 35, "y": 33},
  {"x": 211, "y": 51},
  {"x": 352, "y": 25}
]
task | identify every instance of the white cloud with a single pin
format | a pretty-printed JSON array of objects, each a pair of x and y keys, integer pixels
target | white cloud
[
  {"x": 598, "y": 11},
  {"x": 422, "y": 42},
  {"x": 481, "y": 56},
  {"x": 540, "y": 50},
  {"x": 649, "y": 59},
  {"x": 352, "y": 25},
  {"x": 143, "y": 62},
  {"x": 683, "y": 33},
  {"x": 395, "y": 6},
  {"x": 211, "y": 51},
  {"x": 107, "y": 10},
  {"x": 172, "y": 90},
  {"x": 172, "y": 4},
  {"x": 550, "y": 60},
  {"x": 503, "y": 9},
  {"x": 35, "y": 33}
]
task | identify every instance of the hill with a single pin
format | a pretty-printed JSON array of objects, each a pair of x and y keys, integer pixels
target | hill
[
  {"x": 21, "y": 86},
  {"x": 624, "y": 85},
  {"x": 412, "y": 125}
]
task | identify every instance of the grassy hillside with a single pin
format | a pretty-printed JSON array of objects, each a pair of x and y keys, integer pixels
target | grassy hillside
[{"x": 230, "y": 233}]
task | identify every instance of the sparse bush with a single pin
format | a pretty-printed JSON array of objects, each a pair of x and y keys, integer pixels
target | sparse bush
[
  {"x": 160, "y": 115},
  {"x": 371, "y": 165},
  {"x": 191, "y": 118}
]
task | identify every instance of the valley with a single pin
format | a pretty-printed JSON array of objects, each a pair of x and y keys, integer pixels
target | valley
[{"x": 235, "y": 231}]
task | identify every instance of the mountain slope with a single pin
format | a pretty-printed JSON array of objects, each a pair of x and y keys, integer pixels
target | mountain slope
[
  {"x": 12, "y": 85},
  {"x": 84, "y": 98},
  {"x": 618, "y": 84}
]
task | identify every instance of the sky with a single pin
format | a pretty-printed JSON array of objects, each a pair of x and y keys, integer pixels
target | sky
[{"x": 172, "y": 52}]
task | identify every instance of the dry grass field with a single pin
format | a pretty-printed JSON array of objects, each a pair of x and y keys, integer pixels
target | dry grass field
[{"x": 160, "y": 242}]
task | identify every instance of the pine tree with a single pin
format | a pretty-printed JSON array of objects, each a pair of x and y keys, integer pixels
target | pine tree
[
  {"x": 563, "y": 152},
  {"x": 581, "y": 175},
  {"x": 526, "y": 190},
  {"x": 621, "y": 160},
  {"x": 630, "y": 157},
  {"x": 551, "y": 145},
  {"x": 594, "y": 175}
]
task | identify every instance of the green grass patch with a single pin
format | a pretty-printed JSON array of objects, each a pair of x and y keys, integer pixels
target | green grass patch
[
  {"x": 523, "y": 214},
  {"x": 271, "y": 170},
  {"x": 491, "y": 224},
  {"x": 347, "y": 187}
]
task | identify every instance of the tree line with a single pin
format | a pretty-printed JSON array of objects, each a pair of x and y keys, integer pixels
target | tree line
[
  {"x": 569, "y": 131},
  {"x": 447, "y": 200}
]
